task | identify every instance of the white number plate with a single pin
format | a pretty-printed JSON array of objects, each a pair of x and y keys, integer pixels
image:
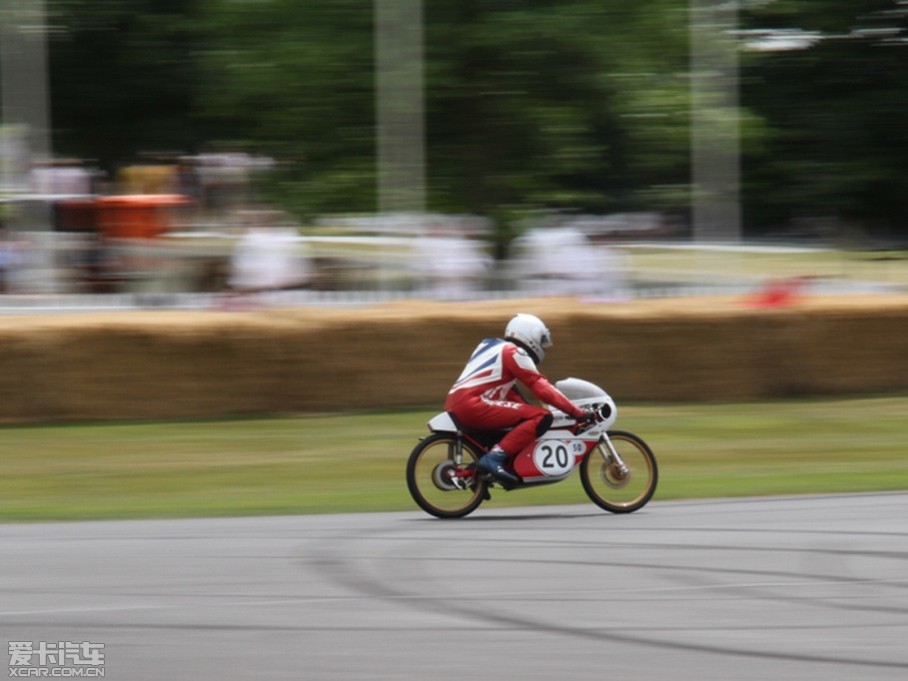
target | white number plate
[{"x": 555, "y": 458}]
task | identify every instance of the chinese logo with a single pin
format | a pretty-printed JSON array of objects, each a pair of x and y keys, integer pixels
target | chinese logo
[{"x": 56, "y": 660}]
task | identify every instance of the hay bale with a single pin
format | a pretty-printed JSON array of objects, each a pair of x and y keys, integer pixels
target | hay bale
[{"x": 166, "y": 365}]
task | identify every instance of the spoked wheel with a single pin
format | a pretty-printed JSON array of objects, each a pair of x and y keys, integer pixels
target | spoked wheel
[
  {"x": 620, "y": 486},
  {"x": 441, "y": 485}
]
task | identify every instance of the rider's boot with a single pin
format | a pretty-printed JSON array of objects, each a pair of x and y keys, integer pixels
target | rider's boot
[{"x": 493, "y": 464}]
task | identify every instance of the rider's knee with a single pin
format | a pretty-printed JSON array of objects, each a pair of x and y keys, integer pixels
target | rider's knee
[{"x": 544, "y": 424}]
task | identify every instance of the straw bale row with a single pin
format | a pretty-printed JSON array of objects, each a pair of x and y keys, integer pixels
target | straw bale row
[{"x": 167, "y": 365}]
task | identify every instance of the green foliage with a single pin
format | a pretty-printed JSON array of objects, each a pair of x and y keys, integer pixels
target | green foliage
[
  {"x": 122, "y": 77},
  {"x": 544, "y": 105},
  {"x": 836, "y": 113},
  {"x": 574, "y": 105},
  {"x": 356, "y": 462}
]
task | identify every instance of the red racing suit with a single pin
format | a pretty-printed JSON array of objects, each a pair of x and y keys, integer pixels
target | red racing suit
[{"x": 484, "y": 398}]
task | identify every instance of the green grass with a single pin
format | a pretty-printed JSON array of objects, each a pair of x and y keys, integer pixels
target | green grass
[
  {"x": 349, "y": 463},
  {"x": 888, "y": 267}
]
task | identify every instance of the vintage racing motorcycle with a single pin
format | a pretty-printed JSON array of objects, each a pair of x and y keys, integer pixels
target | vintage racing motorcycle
[{"x": 618, "y": 470}]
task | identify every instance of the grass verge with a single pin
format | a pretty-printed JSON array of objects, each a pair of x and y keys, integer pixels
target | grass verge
[{"x": 355, "y": 462}]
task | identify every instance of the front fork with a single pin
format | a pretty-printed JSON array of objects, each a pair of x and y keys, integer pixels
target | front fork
[{"x": 608, "y": 451}]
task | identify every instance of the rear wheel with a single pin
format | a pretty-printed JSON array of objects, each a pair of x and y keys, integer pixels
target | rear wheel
[
  {"x": 615, "y": 487},
  {"x": 440, "y": 484}
]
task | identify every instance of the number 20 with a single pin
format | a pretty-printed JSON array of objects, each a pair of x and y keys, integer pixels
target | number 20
[{"x": 561, "y": 455}]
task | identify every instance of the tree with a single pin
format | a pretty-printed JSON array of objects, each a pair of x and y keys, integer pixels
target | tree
[
  {"x": 574, "y": 106},
  {"x": 295, "y": 80},
  {"x": 123, "y": 77},
  {"x": 533, "y": 104},
  {"x": 836, "y": 108}
]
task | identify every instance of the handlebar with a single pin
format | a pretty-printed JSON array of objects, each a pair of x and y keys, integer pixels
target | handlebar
[{"x": 594, "y": 416}]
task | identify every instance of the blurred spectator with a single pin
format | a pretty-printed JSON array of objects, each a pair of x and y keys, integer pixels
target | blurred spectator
[
  {"x": 60, "y": 178},
  {"x": 189, "y": 183},
  {"x": 11, "y": 258},
  {"x": 269, "y": 256},
  {"x": 563, "y": 261},
  {"x": 225, "y": 179},
  {"x": 148, "y": 179},
  {"x": 449, "y": 265},
  {"x": 97, "y": 269}
]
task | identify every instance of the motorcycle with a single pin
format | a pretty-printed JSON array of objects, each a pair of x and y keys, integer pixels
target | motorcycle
[{"x": 618, "y": 470}]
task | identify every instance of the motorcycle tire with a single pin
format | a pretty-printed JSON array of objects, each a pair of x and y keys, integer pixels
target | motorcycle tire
[
  {"x": 614, "y": 489},
  {"x": 430, "y": 471}
]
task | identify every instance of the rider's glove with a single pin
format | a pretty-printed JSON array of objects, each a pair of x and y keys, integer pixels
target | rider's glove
[{"x": 589, "y": 417}]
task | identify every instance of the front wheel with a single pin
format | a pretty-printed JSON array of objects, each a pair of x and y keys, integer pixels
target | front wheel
[
  {"x": 441, "y": 476},
  {"x": 620, "y": 485}
]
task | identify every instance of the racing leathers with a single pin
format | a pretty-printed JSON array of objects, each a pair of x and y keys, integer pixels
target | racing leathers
[{"x": 484, "y": 397}]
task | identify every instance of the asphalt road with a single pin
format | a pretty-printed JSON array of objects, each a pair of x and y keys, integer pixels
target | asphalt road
[{"x": 791, "y": 588}]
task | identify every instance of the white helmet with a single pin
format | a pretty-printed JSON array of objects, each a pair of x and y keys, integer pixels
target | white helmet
[{"x": 530, "y": 331}]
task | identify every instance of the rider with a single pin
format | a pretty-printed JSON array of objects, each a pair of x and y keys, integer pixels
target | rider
[{"x": 484, "y": 397}]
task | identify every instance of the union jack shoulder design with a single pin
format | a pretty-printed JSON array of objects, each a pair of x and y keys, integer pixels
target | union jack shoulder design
[{"x": 484, "y": 366}]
